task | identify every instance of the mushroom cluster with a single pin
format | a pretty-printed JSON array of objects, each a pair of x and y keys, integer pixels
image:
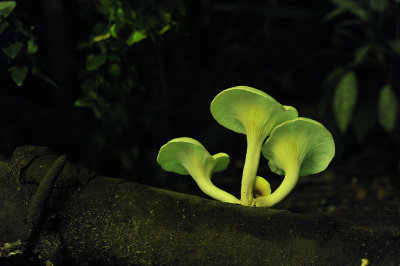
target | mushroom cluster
[{"x": 295, "y": 146}]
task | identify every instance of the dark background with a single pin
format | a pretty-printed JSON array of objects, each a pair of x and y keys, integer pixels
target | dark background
[{"x": 284, "y": 48}]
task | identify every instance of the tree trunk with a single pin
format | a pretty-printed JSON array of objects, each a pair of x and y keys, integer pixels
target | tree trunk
[{"x": 53, "y": 212}]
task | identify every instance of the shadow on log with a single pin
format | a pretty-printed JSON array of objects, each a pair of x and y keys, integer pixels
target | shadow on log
[{"x": 55, "y": 213}]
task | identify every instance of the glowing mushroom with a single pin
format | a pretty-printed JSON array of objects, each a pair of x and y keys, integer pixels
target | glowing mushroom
[
  {"x": 296, "y": 148},
  {"x": 186, "y": 156},
  {"x": 261, "y": 187},
  {"x": 254, "y": 113}
]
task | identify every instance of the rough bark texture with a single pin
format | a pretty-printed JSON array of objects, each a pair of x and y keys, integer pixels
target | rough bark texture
[{"x": 86, "y": 219}]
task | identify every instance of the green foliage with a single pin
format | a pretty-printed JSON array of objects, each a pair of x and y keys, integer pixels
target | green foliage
[
  {"x": 6, "y": 7},
  {"x": 18, "y": 74},
  {"x": 387, "y": 108},
  {"x": 135, "y": 37},
  {"x": 93, "y": 62},
  {"x": 18, "y": 45},
  {"x": 344, "y": 100},
  {"x": 373, "y": 28},
  {"x": 13, "y": 49},
  {"x": 118, "y": 26}
]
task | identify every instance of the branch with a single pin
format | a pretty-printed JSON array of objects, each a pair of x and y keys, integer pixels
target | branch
[{"x": 88, "y": 219}]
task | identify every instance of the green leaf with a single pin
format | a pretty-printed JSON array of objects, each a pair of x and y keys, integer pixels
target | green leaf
[
  {"x": 90, "y": 85},
  {"x": 37, "y": 72},
  {"x": 387, "y": 108},
  {"x": 332, "y": 78},
  {"x": 6, "y": 7},
  {"x": 164, "y": 29},
  {"x": 32, "y": 47},
  {"x": 378, "y": 5},
  {"x": 18, "y": 74},
  {"x": 102, "y": 102},
  {"x": 136, "y": 36},
  {"x": 361, "y": 53},
  {"x": 395, "y": 44},
  {"x": 13, "y": 49},
  {"x": 84, "y": 102},
  {"x": 102, "y": 37},
  {"x": 334, "y": 13},
  {"x": 4, "y": 26},
  {"x": 98, "y": 112},
  {"x": 93, "y": 62},
  {"x": 114, "y": 70},
  {"x": 19, "y": 26},
  {"x": 344, "y": 100},
  {"x": 119, "y": 14},
  {"x": 343, "y": 6},
  {"x": 113, "y": 31}
]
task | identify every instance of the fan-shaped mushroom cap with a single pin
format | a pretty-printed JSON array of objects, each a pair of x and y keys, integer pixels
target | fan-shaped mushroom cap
[
  {"x": 296, "y": 148},
  {"x": 183, "y": 155},
  {"x": 302, "y": 142},
  {"x": 186, "y": 156},
  {"x": 243, "y": 109}
]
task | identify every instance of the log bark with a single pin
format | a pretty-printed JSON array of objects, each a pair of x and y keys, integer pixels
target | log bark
[{"x": 53, "y": 212}]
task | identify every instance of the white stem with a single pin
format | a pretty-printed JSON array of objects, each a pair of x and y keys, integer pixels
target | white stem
[
  {"x": 201, "y": 172},
  {"x": 216, "y": 193},
  {"x": 287, "y": 185},
  {"x": 250, "y": 170}
]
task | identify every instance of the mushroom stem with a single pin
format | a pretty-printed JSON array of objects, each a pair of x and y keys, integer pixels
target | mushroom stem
[
  {"x": 250, "y": 171},
  {"x": 216, "y": 193},
  {"x": 287, "y": 185},
  {"x": 203, "y": 179}
]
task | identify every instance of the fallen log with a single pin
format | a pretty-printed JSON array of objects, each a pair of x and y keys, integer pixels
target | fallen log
[{"x": 52, "y": 212}]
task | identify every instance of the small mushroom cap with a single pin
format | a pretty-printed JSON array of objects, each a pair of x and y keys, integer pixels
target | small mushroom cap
[
  {"x": 221, "y": 161},
  {"x": 243, "y": 108},
  {"x": 180, "y": 154},
  {"x": 299, "y": 142},
  {"x": 261, "y": 187}
]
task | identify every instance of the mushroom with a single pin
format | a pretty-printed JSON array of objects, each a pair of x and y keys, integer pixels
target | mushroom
[
  {"x": 296, "y": 148},
  {"x": 261, "y": 187},
  {"x": 254, "y": 113},
  {"x": 187, "y": 156}
]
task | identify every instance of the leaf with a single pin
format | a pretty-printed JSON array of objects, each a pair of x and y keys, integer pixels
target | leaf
[
  {"x": 32, "y": 47},
  {"x": 4, "y": 26},
  {"x": 113, "y": 31},
  {"x": 98, "y": 111},
  {"x": 344, "y": 100},
  {"x": 387, "y": 108},
  {"x": 90, "y": 85},
  {"x": 20, "y": 28},
  {"x": 84, "y": 102},
  {"x": 99, "y": 38},
  {"x": 334, "y": 13},
  {"x": 114, "y": 70},
  {"x": 378, "y": 5},
  {"x": 6, "y": 7},
  {"x": 361, "y": 53},
  {"x": 102, "y": 102},
  {"x": 93, "y": 62},
  {"x": 13, "y": 49},
  {"x": 395, "y": 44},
  {"x": 164, "y": 29},
  {"x": 136, "y": 36},
  {"x": 18, "y": 74},
  {"x": 343, "y": 6},
  {"x": 332, "y": 78},
  {"x": 37, "y": 72}
]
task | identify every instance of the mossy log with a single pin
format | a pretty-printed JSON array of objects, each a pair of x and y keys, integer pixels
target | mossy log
[{"x": 55, "y": 213}]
